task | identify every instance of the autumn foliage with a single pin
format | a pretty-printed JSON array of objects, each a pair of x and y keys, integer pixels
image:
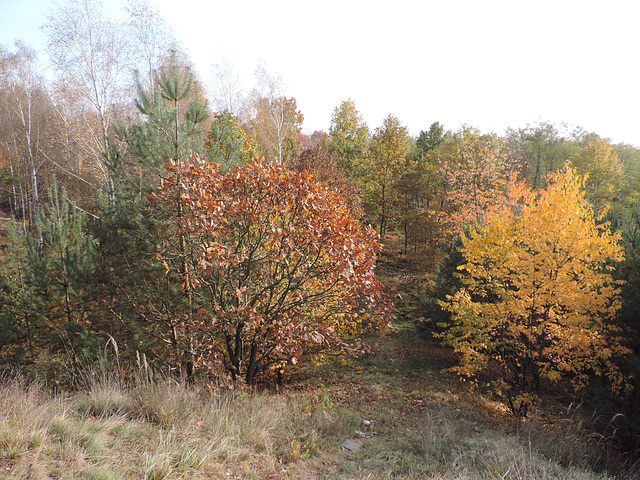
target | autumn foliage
[
  {"x": 539, "y": 298},
  {"x": 325, "y": 167},
  {"x": 277, "y": 267},
  {"x": 469, "y": 175}
]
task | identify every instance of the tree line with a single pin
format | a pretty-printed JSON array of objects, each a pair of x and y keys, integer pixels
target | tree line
[{"x": 223, "y": 239}]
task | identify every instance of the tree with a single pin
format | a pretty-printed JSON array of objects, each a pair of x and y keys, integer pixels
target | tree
[
  {"x": 22, "y": 334},
  {"x": 275, "y": 128},
  {"x": 227, "y": 144},
  {"x": 173, "y": 114},
  {"x": 541, "y": 150},
  {"x": 92, "y": 62},
  {"x": 628, "y": 220},
  {"x": 539, "y": 298},
  {"x": 149, "y": 310},
  {"x": 72, "y": 148},
  {"x": 469, "y": 175},
  {"x": 416, "y": 188},
  {"x": 279, "y": 268},
  {"x": 598, "y": 159},
  {"x": 227, "y": 89},
  {"x": 385, "y": 164},
  {"x": 630, "y": 158},
  {"x": 36, "y": 139},
  {"x": 151, "y": 37},
  {"x": 430, "y": 140},
  {"x": 409, "y": 188},
  {"x": 325, "y": 168},
  {"x": 61, "y": 260},
  {"x": 21, "y": 90},
  {"x": 273, "y": 119},
  {"x": 349, "y": 136},
  {"x": 44, "y": 288},
  {"x": 319, "y": 138}
]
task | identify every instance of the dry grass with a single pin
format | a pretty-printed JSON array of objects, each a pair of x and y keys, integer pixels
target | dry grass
[
  {"x": 153, "y": 431},
  {"x": 424, "y": 424}
]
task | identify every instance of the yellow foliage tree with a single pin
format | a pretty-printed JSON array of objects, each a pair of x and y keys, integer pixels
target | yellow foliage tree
[
  {"x": 539, "y": 297},
  {"x": 383, "y": 167},
  {"x": 598, "y": 158}
]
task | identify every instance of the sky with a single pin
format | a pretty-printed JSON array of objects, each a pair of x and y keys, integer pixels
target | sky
[{"x": 488, "y": 64}]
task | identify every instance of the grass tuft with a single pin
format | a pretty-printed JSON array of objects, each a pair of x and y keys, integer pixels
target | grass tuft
[{"x": 417, "y": 423}]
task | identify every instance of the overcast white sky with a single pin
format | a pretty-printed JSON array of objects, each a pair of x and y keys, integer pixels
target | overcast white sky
[{"x": 490, "y": 64}]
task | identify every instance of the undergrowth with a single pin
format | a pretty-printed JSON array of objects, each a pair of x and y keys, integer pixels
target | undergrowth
[{"x": 411, "y": 420}]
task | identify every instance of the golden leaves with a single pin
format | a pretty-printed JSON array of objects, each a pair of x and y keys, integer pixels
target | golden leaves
[{"x": 538, "y": 287}]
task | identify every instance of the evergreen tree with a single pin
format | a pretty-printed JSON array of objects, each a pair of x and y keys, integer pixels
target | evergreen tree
[
  {"x": 172, "y": 117},
  {"x": 150, "y": 299},
  {"x": 20, "y": 306},
  {"x": 61, "y": 260},
  {"x": 429, "y": 140},
  {"x": 45, "y": 286}
]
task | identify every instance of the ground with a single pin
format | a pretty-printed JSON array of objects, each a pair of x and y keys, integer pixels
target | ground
[{"x": 411, "y": 417}]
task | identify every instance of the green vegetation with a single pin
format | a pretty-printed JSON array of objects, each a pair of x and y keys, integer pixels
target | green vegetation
[
  {"x": 195, "y": 294},
  {"x": 423, "y": 424}
]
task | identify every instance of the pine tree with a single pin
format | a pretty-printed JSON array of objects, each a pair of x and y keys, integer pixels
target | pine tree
[
  {"x": 45, "y": 285},
  {"x": 21, "y": 307},
  {"x": 227, "y": 143},
  {"x": 152, "y": 307}
]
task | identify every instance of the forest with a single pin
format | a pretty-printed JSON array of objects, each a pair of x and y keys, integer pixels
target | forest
[{"x": 151, "y": 224}]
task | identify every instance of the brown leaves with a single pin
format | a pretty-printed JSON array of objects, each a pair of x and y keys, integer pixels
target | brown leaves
[
  {"x": 277, "y": 256},
  {"x": 469, "y": 176}
]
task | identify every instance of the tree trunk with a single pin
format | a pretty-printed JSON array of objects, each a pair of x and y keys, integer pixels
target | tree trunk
[
  {"x": 251, "y": 368},
  {"x": 382, "y": 213}
]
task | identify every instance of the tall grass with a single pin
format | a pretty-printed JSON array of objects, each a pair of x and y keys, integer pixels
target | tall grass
[
  {"x": 423, "y": 425},
  {"x": 156, "y": 429}
]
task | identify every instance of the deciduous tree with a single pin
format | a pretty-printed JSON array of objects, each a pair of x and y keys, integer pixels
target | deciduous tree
[
  {"x": 228, "y": 93},
  {"x": 469, "y": 175},
  {"x": 23, "y": 98},
  {"x": 280, "y": 269},
  {"x": 151, "y": 37},
  {"x": 273, "y": 120},
  {"x": 325, "y": 167},
  {"x": 91, "y": 60},
  {"x": 541, "y": 149},
  {"x": 599, "y": 161},
  {"x": 386, "y": 162},
  {"x": 539, "y": 300},
  {"x": 349, "y": 136}
]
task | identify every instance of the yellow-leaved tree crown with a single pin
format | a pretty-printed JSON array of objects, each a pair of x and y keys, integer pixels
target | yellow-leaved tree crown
[{"x": 538, "y": 298}]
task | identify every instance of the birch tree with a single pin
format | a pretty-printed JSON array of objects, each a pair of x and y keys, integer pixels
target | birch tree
[
  {"x": 22, "y": 93},
  {"x": 91, "y": 59},
  {"x": 273, "y": 119}
]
